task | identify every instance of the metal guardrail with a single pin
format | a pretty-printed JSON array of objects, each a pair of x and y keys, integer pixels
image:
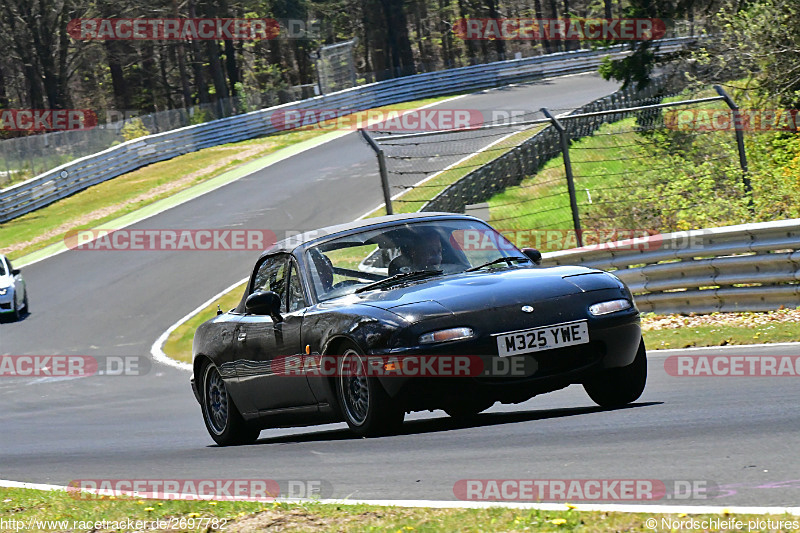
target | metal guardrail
[
  {"x": 749, "y": 267},
  {"x": 91, "y": 170}
]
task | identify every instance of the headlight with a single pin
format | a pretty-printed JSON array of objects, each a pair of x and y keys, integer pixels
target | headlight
[
  {"x": 443, "y": 335},
  {"x": 611, "y": 306},
  {"x": 3, "y": 291}
]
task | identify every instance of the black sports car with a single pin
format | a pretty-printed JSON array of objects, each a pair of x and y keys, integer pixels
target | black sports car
[{"x": 366, "y": 321}]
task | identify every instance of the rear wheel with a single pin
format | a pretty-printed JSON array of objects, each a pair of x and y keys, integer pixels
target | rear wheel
[
  {"x": 619, "y": 386},
  {"x": 365, "y": 405},
  {"x": 26, "y": 305},
  {"x": 223, "y": 420}
]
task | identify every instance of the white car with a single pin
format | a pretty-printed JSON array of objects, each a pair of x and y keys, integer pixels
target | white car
[{"x": 13, "y": 293}]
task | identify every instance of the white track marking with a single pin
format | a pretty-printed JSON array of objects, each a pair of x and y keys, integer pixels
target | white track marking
[
  {"x": 672, "y": 351},
  {"x": 157, "y": 349},
  {"x": 449, "y": 504}
]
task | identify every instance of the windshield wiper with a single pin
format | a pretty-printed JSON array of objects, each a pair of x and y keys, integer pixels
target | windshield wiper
[
  {"x": 499, "y": 260},
  {"x": 403, "y": 276}
]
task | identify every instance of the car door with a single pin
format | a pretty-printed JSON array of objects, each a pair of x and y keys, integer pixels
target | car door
[{"x": 261, "y": 339}]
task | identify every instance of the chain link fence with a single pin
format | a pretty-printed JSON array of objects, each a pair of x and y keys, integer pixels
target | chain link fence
[
  {"x": 635, "y": 165},
  {"x": 336, "y": 69}
]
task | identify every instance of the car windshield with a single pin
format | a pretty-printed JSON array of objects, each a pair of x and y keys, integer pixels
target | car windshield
[
  {"x": 342, "y": 266},
  {"x": 2, "y": 267}
]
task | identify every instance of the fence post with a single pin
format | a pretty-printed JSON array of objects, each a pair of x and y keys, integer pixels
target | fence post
[
  {"x": 387, "y": 196},
  {"x": 737, "y": 124},
  {"x": 573, "y": 203}
]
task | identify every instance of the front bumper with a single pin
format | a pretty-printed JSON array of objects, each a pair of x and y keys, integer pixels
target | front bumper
[
  {"x": 7, "y": 301},
  {"x": 613, "y": 342}
]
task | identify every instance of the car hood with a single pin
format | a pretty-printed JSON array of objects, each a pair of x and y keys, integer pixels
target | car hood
[{"x": 487, "y": 290}]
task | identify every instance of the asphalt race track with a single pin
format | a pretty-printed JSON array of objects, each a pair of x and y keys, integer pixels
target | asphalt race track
[{"x": 737, "y": 435}]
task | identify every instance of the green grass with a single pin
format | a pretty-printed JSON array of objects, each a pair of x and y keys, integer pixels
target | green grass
[
  {"x": 116, "y": 197},
  {"x": 655, "y": 182},
  {"x": 607, "y": 166},
  {"x": 25, "y": 504},
  {"x": 719, "y": 336}
]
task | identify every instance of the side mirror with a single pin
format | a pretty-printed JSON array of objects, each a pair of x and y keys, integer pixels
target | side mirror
[
  {"x": 15, "y": 272},
  {"x": 264, "y": 303},
  {"x": 533, "y": 254}
]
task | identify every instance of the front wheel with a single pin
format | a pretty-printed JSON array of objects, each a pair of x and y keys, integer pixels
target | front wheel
[
  {"x": 619, "y": 386},
  {"x": 26, "y": 305},
  {"x": 16, "y": 314},
  {"x": 223, "y": 420},
  {"x": 365, "y": 405}
]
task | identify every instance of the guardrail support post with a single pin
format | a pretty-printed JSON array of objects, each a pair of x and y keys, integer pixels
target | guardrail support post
[
  {"x": 737, "y": 124},
  {"x": 573, "y": 202},
  {"x": 387, "y": 195}
]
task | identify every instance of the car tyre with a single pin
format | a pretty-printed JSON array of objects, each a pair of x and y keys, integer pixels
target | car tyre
[
  {"x": 223, "y": 420},
  {"x": 26, "y": 305},
  {"x": 365, "y": 405},
  {"x": 619, "y": 386},
  {"x": 16, "y": 314}
]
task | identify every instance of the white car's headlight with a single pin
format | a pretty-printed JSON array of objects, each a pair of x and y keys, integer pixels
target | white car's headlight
[
  {"x": 443, "y": 335},
  {"x": 611, "y": 306}
]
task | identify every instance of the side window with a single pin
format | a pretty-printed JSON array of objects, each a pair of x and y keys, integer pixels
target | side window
[
  {"x": 271, "y": 276},
  {"x": 296, "y": 299}
]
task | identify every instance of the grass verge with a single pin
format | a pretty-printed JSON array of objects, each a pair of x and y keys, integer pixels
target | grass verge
[
  {"x": 720, "y": 329},
  {"x": 33, "y": 508},
  {"x": 111, "y": 199}
]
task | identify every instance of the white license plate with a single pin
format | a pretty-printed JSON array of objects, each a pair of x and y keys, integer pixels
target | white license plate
[{"x": 544, "y": 338}]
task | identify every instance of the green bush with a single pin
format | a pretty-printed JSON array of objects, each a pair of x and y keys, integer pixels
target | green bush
[{"x": 133, "y": 129}]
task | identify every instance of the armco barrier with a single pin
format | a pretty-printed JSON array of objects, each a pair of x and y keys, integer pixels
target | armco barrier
[
  {"x": 91, "y": 170},
  {"x": 749, "y": 267}
]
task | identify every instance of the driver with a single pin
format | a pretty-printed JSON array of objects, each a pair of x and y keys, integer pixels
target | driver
[{"x": 422, "y": 252}]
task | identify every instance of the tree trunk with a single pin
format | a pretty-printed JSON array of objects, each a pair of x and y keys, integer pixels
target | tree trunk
[
  {"x": 197, "y": 64},
  {"x": 499, "y": 44},
  {"x": 545, "y": 41}
]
